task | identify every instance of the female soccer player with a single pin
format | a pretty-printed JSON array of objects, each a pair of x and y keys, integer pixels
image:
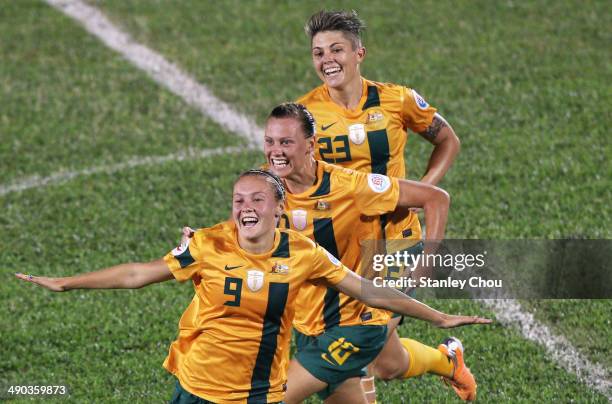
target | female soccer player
[
  {"x": 246, "y": 275},
  {"x": 334, "y": 207},
  {"x": 363, "y": 125}
]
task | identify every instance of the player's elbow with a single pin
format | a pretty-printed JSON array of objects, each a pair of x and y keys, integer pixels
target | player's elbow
[
  {"x": 384, "y": 298},
  {"x": 368, "y": 294},
  {"x": 449, "y": 139},
  {"x": 134, "y": 277},
  {"x": 456, "y": 142},
  {"x": 373, "y": 302},
  {"x": 439, "y": 201},
  {"x": 443, "y": 198}
]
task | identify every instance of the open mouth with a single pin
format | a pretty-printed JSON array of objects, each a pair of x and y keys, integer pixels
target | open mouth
[
  {"x": 279, "y": 162},
  {"x": 249, "y": 221},
  {"x": 331, "y": 71}
]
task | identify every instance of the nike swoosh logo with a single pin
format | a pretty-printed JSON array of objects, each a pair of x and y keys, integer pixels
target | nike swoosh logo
[
  {"x": 324, "y": 356},
  {"x": 323, "y": 127},
  {"x": 228, "y": 268}
]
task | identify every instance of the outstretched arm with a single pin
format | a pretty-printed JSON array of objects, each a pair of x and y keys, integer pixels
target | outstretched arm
[
  {"x": 124, "y": 276},
  {"x": 393, "y": 300}
]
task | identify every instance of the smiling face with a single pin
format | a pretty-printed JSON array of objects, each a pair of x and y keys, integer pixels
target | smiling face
[
  {"x": 286, "y": 147},
  {"x": 336, "y": 59},
  {"x": 255, "y": 210}
]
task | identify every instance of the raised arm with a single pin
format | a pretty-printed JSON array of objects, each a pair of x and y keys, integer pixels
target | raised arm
[
  {"x": 393, "y": 300},
  {"x": 446, "y": 147},
  {"x": 124, "y": 276}
]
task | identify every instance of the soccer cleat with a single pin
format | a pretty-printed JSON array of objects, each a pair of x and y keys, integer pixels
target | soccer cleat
[{"x": 463, "y": 381}]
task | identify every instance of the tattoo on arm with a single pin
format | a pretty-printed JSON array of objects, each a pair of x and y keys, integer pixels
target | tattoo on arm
[{"x": 432, "y": 130}]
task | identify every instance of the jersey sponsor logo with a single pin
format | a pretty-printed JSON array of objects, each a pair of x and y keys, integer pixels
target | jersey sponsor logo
[
  {"x": 181, "y": 248},
  {"x": 420, "y": 101},
  {"x": 229, "y": 268},
  {"x": 325, "y": 127},
  {"x": 375, "y": 116},
  {"x": 281, "y": 269},
  {"x": 379, "y": 183},
  {"x": 322, "y": 205},
  {"x": 298, "y": 217},
  {"x": 357, "y": 133},
  {"x": 332, "y": 259},
  {"x": 255, "y": 280}
]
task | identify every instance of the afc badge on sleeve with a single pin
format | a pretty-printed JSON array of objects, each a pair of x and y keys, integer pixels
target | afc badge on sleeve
[
  {"x": 181, "y": 248},
  {"x": 420, "y": 101},
  {"x": 379, "y": 183}
]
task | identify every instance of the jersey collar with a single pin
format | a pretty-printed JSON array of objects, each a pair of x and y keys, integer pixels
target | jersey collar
[
  {"x": 318, "y": 178},
  {"x": 249, "y": 255},
  {"x": 349, "y": 113}
]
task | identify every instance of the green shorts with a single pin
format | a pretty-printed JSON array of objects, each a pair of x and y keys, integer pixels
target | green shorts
[
  {"x": 339, "y": 353},
  {"x": 182, "y": 396}
]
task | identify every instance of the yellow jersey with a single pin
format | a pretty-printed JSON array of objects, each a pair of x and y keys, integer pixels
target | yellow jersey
[
  {"x": 233, "y": 343},
  {"x": 339, "y": 212},
  {"x": 372, "y": 137}
]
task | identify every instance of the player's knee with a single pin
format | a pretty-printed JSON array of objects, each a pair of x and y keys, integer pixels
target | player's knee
[
  {"x": 290, "y": 400},
  {"x": 388, "y": 370},
  {"x": 292, "y": 395}
]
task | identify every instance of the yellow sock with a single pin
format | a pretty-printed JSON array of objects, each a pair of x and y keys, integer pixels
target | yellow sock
[{"x": 425, "y": 359}]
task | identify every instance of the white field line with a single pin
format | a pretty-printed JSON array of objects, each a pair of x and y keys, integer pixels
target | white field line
[
  {"x": 510, "y": 312},
  {"x": 64, "y": 176},
  {"x": 162, "y": 71}
]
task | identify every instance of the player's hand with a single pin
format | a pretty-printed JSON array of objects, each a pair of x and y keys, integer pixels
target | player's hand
[
  {"x": 187, "y": 234},
  {"x": 451, "y": 321},
  {"x": 53, "y": 284}
]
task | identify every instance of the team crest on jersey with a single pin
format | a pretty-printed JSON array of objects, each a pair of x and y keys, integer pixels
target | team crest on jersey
[
  {"x": 322, "y": 205},
  {"x": 357, "y": 133},
  {"x": 281, "y": 269},
  {"x": 298, "y": 217},
  {"x": 379, "y": 183},
  {"x": 181, "y": 248},
  {"x": 255, "y": 279},
  {"x": 374, "y": 116},
  {"x": 420, "y": 101}
]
